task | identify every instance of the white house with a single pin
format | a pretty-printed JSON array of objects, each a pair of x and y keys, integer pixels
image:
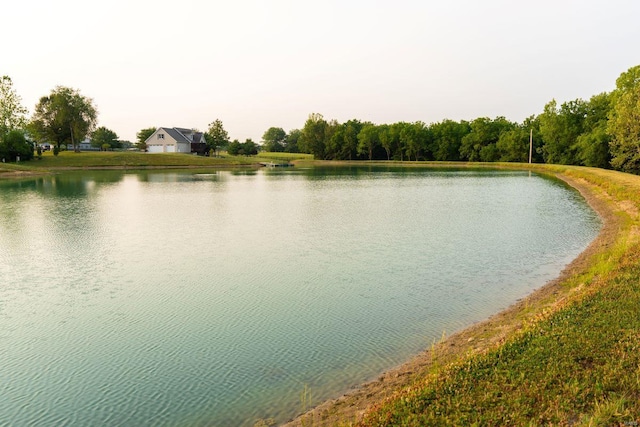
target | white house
[{"x": 176, "y": 140}]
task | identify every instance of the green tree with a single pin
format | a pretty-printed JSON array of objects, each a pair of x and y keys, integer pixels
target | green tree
[
  {"x": 592, "y": 146},
  {"x": 447, "y": 139},
  {"x": 389, "y": 138},
  {"x": 216, "y": 136},
  {"x": 12, "y": 113},
  {"x": 142, "y": 137},
  {"x": 401, "y": 143},
  {"x": 65, "y": 116},
  {"x": 291, "y": 141},
  {"x": 624, "y": 122},
  {"x": 103, "y": 136},
  {"x": 480, "y": 143},
  {"x": 368, "y": 139},
  {"x": 513, "y": 145},
  {"x": 343, "y": 142},
  {"x": 13, "y": 144},
  {"x": 273, "y": 139},
  {"x": 234, "y": 148},
  {"x": 249, "y": 148},
  {"x": 560, "y": 129},
  {"x": 312, "y": 139},
  {"x": 414, "y": 137}
]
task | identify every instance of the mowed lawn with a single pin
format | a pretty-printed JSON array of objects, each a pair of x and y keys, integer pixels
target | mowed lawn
[{"x": 132, "y": 159}]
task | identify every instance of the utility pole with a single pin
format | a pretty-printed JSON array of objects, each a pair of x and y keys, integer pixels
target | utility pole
[{"x": 530, "y": 144}]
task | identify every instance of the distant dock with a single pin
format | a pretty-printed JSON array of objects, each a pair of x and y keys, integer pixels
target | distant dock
[{"x": 276, "y": 164}]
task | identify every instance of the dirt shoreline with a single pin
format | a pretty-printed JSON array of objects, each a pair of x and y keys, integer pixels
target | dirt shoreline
[{"x": 474, "y": 339}]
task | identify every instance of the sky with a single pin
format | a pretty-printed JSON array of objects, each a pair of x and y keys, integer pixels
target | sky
[{"x": 260, "y": 64}]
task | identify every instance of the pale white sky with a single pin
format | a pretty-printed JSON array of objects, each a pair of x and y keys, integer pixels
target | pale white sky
[{"x": 256, "y": 64}]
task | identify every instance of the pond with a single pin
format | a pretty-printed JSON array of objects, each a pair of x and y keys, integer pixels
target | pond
[{"x": 184, "y": 298}]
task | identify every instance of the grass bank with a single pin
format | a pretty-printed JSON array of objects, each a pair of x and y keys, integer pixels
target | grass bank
[
  {"x": 569, "y": 354},
  {"x": 68, "y": 160}
]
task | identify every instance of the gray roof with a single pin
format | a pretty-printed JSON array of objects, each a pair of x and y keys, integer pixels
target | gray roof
[
  {"x": 176, "y": 134},
  {"x": 180, "y": 134}
]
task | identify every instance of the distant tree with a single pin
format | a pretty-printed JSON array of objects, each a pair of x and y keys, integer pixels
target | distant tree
[
  {"x": 368, "y": 139},
  {"x": 234, "y": 147},
  {"x": 216, "y": 136},
  {"x": 343, "y": 142},
  {"x": 560, "y": 129},
  {"x": 13, "y": 144},
  {"x": 513, "y": 145},
  {"x": 624, "y": 122},
  {"x": 388, "y": 139},
  {"x": 12, "y": 113},
  {"x": 249, "y": 148},
  {"x": 142, "y": 137},
  {"x": 65, "y": 116},
  {"x": 291, "y": 141},
  {"x": 593, "y": 145},
  {"x": 414, "y": 139},
  {"x": 125, "y": 144},
  {"x": 447, "y": 139},
  {"x": 480, "y": 143},
  {"x": 312, "y": 140},
  {"x": 273, "y": 139},
  {"x": 103, "y": 136}
]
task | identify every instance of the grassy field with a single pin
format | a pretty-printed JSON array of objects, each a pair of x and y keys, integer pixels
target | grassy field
[
  {"x": 133, "y": 160},
  {"x": 568, "y": 356}
]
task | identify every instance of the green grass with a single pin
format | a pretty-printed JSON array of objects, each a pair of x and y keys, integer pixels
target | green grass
[
  {"x": 132, "y": 160},
  {"x": 70, "y": 159},
  {"x": 285, "y": 157},
  {"x": 575, "y": 364}
]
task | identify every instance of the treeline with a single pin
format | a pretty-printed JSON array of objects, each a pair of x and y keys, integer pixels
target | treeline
[{"x": 602, "y": 132}]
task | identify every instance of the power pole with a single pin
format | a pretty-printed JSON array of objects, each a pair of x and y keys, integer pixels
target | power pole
[{"x": 530, "y": 144}]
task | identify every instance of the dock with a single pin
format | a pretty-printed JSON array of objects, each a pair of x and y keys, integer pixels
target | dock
[{"x": 276, "y": 164}]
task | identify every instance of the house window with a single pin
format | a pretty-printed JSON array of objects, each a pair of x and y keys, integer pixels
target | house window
[{"x": 161, "y": 136}]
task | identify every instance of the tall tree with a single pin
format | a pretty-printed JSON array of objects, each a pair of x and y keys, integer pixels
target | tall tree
[
  {"x": 513, "y": 145},
  {"x": 447, "y": 139},
  {"x": 313, "y": 137},
  {"x": 274, "y": 139},
  {"x": 65, "y": 116},
  {"x": 103, "y": 137},
  {"x": 249, "y": 148},
  {"x": 624, "y": 122},
  {"x": 560, "y": 129},
  {"x": 368, "y": 139},
  {"x": 480, "y": 143},
  {"x": 216, "y": 136},
  {"x": 291, "y": 141},
  {"x": 12, "y": 113},
  {"x": 234, "y": 148},
  {"x": 388, "y": 138},
  {"x": 142, "y": 136},
  {"x": 592, "y": 146}
]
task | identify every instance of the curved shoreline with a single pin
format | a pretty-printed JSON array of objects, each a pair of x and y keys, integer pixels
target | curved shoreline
[{"x": 476, "y": 338}]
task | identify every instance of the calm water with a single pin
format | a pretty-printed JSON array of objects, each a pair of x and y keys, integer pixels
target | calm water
[{"x": 214, "y": 299}]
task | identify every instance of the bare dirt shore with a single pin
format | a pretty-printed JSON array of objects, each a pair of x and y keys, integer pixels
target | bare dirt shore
[{"x": 475, "y": 339}]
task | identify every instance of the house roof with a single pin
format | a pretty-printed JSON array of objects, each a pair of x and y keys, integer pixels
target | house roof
[
  {"x": 176, "y": 134},
  {"x": 180, "y": 134}
]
